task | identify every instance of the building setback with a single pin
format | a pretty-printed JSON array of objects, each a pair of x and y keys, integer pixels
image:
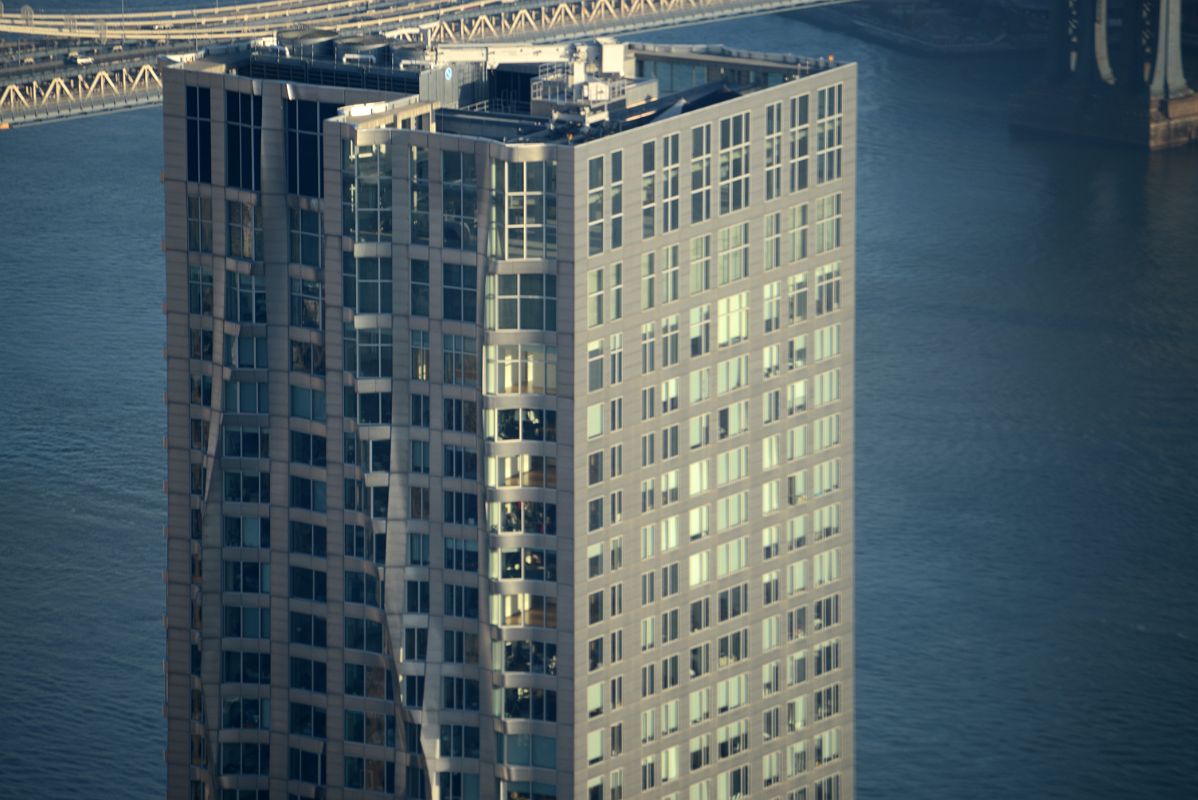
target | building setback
[{"x": 510, "y": 423}]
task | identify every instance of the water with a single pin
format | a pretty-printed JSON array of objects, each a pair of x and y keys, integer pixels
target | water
[{"x": 1027, "y": 447}]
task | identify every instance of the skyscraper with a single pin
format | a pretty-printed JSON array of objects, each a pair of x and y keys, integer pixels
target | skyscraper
[{"x": 510, "y": 423}]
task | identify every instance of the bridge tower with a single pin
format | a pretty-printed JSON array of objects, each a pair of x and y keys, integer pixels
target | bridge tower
[{"x": 1129, "y": 89}]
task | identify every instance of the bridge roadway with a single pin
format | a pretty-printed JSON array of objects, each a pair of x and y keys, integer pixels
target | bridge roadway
[{"x": 114, "y": 77}]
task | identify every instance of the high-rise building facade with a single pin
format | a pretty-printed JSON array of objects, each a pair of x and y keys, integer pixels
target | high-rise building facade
[{"x": 510, "y": 426}]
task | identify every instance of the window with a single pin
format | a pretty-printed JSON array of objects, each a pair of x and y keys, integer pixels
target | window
[
  {"x": 461, "y": 360},
  {"x": 238, "y": 667},
  {"x": 733, "y": 253},
  {"x": 669, "y": 341},
  {"x": 305, "y": 145},
  {"x": 307, "y": 629},
  {"x": 732, "y": 374},
  {"x": 459, "y": 193},
  {"x": 246, "y": 758},
  {"x": 529, "y": 424},
  {"x": 529, "y": 301},
  {"x": 594, "y": 468},
  {"x": 246, "y": 713},
  {"x": 245, "y": 351},
  {"x": 524, "y": 610},
  {"x": 700, "y": 334},
  {"x": 252, "y": 577},
  {"x": 308, "y": 493},
  {"x": 367, "y": 284},
  {"x": 304, "y": 240},
  {"x": 243, "y": 231},
  {"x": 796, "y": 352},
  {"x": 308, "y": 585},
  {"x": 595, "y": 206},
  {"x": 307, "y": 306},
  {"x": 309, "y": 539},
  {"x": 199, "y": 290},
  {"x": 773, "y": 151},
  {"x": 307, "y": 357},
  {"x": 363, "y": 634},
  {"x": 827, "y": 223},
  {"x": 460, "y": 462},
  {"x": 200, "y": 344},
  {"x": 366, "y": 191},
  {"x": 418, "y": 549},
  {"x": 374, "y": 408},
  {"x": 528, "y": 229},
  {"x": 700, "y": 173},
  {"x": 419, "y": 288},
  {"x": 669, "y": 184},
  {"x": 460, "y": 647},
  {"x": 595, "y": 297},
  {"x": 520, "y": 369},
  {"x": 773, "y": 240},
  {"x": 526, "y": 516},
  {"x": 827, "y": 521},
  {"x": 732, "y": 693},
  {"x": 419, "y": 172},
  {"x": 413, "y": 693},
  {"x": 647, "y": 281},
  {"x": 527, "y": 563},
  {"x": 800, "y": 119},
  {"x": 525, "y": 703},
  {"x": 732, "y": 319},
  {"x": 247, "y": 487},
  {"x": 305, "y": 766},
  {"x": 243, "y": 141},
  {"x": 796, "y": 297},
  {"x": 648, "y": 189},
  {"x": 616, "y": 351},
  {"x": 368, "y": 351},
  {"x": 199, "y": 224},
  {"x": 461, "y": 601},
  {"x": 700, "y": 264},
  {"x": 826, "y": 567},
  {"x": 798, "y": 228},
  {"x": 420, "y": 353},
  {"x": 827, "y": 387},
  {"x": 827, "y": 342},
  {"x": 460, "y": 415},
  {"x": 245, "y": 622},
  {"x": 362, "y": 587},
  {"x": 308, "y": 448},
  {"x": 459, "y": 293},
  {"x": 199, "y": 134},
  {"x": 828, "y": 133},
  {"x": 460, "y": 508},
  {"x": 310, "y": 403},
  {"x": 734, "y": 163},
  {"x": 617, "y": 199},
  {"x": 522, "y": 656}
]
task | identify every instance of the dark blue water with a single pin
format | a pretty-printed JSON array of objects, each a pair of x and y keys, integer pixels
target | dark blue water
[{"x": 1027, "y": 461}]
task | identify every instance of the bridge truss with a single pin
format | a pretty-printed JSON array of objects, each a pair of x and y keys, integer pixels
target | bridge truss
[{"x": 104, "y": 87}]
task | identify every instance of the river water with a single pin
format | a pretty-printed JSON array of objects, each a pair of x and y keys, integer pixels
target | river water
[{"x": 1027, "y": 447}]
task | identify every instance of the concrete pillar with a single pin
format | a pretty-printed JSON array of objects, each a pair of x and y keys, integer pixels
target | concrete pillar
[
  {"x": 1102, "y": 52},
  {"x": 1168, "y": 80}
]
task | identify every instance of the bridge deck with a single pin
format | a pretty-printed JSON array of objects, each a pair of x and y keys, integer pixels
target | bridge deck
[{"x": 56, "y": 86}]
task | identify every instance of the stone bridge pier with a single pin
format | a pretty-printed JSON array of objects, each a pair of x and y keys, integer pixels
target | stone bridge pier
[{"x": 1127, "y": 86}]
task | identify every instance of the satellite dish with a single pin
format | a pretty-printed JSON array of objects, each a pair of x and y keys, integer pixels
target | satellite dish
[{"x": 449, "y": 73}]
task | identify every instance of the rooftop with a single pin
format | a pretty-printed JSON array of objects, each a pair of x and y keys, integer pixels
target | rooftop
[{"x": 558, "y": 93}]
